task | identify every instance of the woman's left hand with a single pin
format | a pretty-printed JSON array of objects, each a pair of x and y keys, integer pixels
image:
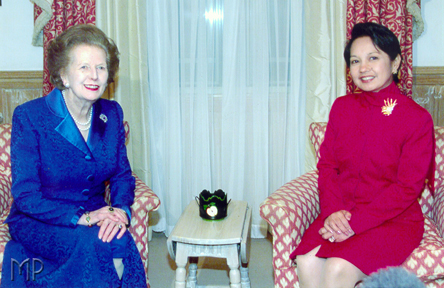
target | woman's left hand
[
  {"x": 109, "y": 228},
  {"x": 337, "y": 222},
  {"x": 334, "y": 237}
]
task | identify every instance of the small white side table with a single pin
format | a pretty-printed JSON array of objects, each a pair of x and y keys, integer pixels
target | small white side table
[{"x": 227, "y": 238}]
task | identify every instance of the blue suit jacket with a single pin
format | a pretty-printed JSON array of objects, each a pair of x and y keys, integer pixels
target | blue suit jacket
[{"x": 56, "y": 175}]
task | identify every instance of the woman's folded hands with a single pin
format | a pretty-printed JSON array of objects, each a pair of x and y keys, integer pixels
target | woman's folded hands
[{"x": 336, "y": 227}]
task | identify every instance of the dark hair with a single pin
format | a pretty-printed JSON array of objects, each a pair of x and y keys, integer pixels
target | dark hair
[
  {"x": 382, "y": 38},
  {"x": 59, "y": 49}
]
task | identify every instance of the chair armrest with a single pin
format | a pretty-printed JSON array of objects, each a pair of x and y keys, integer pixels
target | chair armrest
[
  {"x": 144, "y": 197},
  {"x": 145, "y": 201},
  {"x": 289, "y": 211},
  {"x": 438, "y": 209},
  {"x": 4, "y": 238},
  {"x": 5, "y": 194}
]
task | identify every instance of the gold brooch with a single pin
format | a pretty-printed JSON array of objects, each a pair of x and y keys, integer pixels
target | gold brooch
[{"x": 387, "y": 109}]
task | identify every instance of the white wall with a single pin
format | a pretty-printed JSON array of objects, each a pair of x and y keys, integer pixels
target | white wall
[
  {"x": 16, "y": 26},
  {"x": 17, "y": 21},
  {"x": 428, "y": 49}
]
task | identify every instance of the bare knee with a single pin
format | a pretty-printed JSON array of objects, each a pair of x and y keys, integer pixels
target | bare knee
[
  {"x": 306, "y": 263},
  {"x": 341, "y": 273},
  {"x": 309, "y": 268},
  {"x": 309, "y": 261}
]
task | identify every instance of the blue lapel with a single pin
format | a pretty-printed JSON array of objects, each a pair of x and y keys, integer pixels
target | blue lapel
[
  {"x": 98, "y": 126},
  {"x": 67, "y": 128}
]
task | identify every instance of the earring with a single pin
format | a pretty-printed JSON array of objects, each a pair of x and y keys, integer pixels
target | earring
[{"x": 66, "y": 85}]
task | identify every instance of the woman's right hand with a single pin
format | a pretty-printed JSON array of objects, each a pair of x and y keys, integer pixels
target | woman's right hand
[
  {"x": 110, "y": 220},
  {"x": 337, "y": 223}
]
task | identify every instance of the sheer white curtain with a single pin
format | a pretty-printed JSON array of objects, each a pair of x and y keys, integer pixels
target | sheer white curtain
[{"x": 227, "y": 100}]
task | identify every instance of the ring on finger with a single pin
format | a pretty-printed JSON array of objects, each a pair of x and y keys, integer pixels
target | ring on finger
[
  {"x": 331, "y": 239},
  {"x": 120, "y": 226},
  {"x": 111, "y": 209}
]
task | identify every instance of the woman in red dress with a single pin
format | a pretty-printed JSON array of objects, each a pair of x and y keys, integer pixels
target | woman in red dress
[{"x": 377, "y": 154}]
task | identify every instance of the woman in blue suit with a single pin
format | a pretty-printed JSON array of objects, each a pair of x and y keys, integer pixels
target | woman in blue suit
[{"x": 64, "y": 147}]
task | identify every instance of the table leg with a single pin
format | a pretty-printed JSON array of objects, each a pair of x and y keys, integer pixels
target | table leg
[
  {"x": 181, "y": 272},
  {"x": 192, "y": 278},
  {"x": 245, "y": 278},
  {"x": 233, "y": 264}
]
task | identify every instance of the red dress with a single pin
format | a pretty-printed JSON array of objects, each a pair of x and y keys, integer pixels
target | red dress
[{"x": 374, "y": 165}]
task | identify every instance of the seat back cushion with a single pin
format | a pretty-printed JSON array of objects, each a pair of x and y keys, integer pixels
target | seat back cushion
[
  {"x": 5, "y": 147},
  {"x": 317, "y": 132},
  {"x": 439, "y": 157}
]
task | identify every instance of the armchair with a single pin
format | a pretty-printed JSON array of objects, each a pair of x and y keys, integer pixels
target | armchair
[
  {"x": 293, "y": 207},
  {"x": 144, "y": 202}
]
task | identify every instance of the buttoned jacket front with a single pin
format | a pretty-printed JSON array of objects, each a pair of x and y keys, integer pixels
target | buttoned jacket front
[
  {"x": 56, "y": 175},
  {"x": 377, "y": 153}
]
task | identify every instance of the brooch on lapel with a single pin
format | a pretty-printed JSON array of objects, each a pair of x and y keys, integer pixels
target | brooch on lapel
[
  {"x": 103, "y": 118},
  {"x": 387, "y": 109}
]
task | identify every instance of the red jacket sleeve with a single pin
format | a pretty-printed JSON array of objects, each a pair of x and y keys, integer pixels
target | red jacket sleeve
[
  {"x": 414, "y": 166},
  {"x": 330, "y": 195}
]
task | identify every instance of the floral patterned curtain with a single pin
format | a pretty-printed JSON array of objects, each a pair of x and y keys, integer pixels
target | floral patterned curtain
[
  {"x": 65, "y": 13},
  {"x": 399, "y": 16}
]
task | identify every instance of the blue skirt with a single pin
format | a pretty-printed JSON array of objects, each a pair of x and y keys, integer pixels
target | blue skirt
[{"x": 44, "y": 255}]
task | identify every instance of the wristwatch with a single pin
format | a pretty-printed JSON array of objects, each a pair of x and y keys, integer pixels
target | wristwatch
[{"x": 88, "y": 219}]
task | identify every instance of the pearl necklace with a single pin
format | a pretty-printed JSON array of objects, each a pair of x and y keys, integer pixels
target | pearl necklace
[{"x": 87, "y": 123}]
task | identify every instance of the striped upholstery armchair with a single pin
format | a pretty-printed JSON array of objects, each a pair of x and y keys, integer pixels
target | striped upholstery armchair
[
  {"x": 293, "y": 207},
  {"x": 144, "y": 202}
]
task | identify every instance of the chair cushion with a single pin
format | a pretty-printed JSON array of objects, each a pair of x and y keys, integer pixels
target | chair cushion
[
  {"x": 317, "y": 133},
  {"x": 5, "y": 147},
  {"x": 4, "y": 238},
  {"x": 426, "y": 201},
  {"x": 439, "y": 157},
  {"x": 127, "y": 131},
  {"x": 426, "y": 260},
  {"x": 5, "y": 196}
]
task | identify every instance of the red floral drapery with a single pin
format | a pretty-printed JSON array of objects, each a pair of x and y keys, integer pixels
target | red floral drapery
[
  {"x": 65, "y": 13},
  {"x": 394, "y": 15}
]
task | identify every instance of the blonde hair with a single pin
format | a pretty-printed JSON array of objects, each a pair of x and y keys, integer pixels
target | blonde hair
[{"x": 58, "y": 57}]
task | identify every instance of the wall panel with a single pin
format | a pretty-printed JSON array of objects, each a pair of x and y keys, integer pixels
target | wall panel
[{"x": 428, "y": 91}]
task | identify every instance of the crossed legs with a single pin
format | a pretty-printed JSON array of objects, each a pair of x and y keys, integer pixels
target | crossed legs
[{"x": 315, "y": 272}]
